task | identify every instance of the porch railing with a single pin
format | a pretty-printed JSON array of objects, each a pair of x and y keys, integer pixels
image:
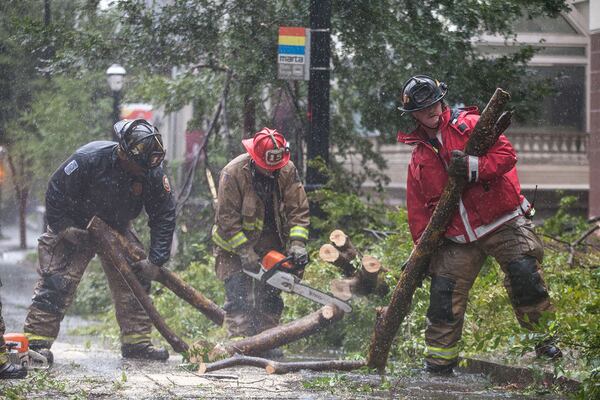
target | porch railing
[{"x": 574, "y": 143}]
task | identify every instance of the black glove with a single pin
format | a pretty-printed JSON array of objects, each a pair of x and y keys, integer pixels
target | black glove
[
  {"x": 74, "y": 235},
  {"x": 147, "y": 269},
  {"x": 298, "y": 251},
  {"x": 459, "y": 164},
  {"x": 250, "y": 260}
]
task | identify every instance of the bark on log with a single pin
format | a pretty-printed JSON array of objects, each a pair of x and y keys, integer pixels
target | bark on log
[
  {"x": 276, "y": 367},
  {"x": 344, "y": 245},
  {"x": 174, "y": 283},
  {"x": 110, "y": 245},
  {"x": 341, "y": 259},
  {"x": 367, "y": 280},
  {"x": 484, "y": 136},
  {"x": 279, "y": 335}
]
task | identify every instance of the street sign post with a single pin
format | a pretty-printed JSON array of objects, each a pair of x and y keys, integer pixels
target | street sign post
[{"x": 293, "y": 58}]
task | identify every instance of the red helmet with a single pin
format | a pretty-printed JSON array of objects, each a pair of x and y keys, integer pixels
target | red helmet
[{"x": 268, "y": 149}]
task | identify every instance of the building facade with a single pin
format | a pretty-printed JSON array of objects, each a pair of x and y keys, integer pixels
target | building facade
[{"x": 558, "y": 150}]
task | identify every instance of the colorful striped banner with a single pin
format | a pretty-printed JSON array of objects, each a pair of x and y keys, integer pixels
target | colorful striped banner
[
  {"x": 291, "y": 50},
  {"x": 292, "y": 40},
  {"x": 293, "y": 57},
  {"x": 291, "y": 31}
]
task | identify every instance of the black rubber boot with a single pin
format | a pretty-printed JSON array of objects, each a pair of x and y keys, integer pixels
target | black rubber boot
[
  {"x": 9, "y": 370},
  {"x": 144, "y": 351},
  {"x": 42, "y": 347},
  {"x": 547, "y": 349},
  {"x": 440, "y": 369}
]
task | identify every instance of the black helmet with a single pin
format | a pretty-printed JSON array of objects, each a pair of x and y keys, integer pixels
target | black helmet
[
  {"x": 420, "y": 92},
  {"x": 141, "y": 142}
]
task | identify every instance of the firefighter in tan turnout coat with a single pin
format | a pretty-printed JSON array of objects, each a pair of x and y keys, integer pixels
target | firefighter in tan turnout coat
[{"x": 262, "y": 206}]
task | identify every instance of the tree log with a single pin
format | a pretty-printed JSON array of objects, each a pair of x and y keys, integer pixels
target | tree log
[
  {"x": 485, "y": 135},
  {"x": 111, "y": 247},
  {"x": 276, "y": 367},
  {"x": 173, "y": 282},
  {"x": 341, "y": 259},
  {"x": 366, "y": 280},
  {"x": 340, "y": 239},
  {"x": 279, "y": 335},
  {"x": 190, "y": 295}
]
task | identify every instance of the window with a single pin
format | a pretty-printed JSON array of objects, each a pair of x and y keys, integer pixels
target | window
[{"x": 564, "y": 109}]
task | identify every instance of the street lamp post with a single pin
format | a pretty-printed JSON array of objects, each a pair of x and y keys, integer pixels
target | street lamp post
[{"x": 115, "y": 75}]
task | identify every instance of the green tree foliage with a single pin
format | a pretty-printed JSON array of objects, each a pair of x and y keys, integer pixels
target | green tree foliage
[
  {"x": 43, "y": 116},
  {"x": 376, "y": 46}
]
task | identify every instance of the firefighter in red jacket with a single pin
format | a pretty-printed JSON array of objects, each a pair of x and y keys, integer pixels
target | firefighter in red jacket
[{"x": 493, "y": 219}]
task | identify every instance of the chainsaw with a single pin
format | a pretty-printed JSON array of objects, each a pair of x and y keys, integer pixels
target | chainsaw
[
  {"x": 20, "y": 353},
  {"x": 277, "y": 270}
]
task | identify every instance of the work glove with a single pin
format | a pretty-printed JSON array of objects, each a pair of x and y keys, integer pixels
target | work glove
[
  {"x": 298, "y": 251},
  {"x": 459, "y": 164},
  {"x": 74, "y": 235},
  {"x": 146, "y": 269},
  {"x": 250, "y": 260}
]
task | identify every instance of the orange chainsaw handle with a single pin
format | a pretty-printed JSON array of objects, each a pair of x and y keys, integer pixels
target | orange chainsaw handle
[{"x": 274, "y": 261}]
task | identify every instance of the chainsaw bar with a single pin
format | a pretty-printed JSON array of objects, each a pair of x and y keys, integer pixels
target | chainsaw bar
[{"x": 289, "y": 283}]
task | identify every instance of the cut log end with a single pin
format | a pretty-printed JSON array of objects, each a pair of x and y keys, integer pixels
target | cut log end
[
  {"x": 329, "y": 253},
  {"x": 202, "y": 369},
  {"x": 270, "y": 368},
  {"x": 328, "y": 312},
  {"x": 338, "y": 237},
  {"x": 371, "y": 264}
]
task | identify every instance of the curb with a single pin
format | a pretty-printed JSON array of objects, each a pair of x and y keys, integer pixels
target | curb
[{"x": 522, "y": 376}]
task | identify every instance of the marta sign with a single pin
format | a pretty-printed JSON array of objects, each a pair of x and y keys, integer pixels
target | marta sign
[{"x": 293, "y": 56}]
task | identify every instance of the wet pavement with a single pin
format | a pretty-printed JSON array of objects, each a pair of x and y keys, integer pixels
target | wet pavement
[{"x": 90, "y": 368}]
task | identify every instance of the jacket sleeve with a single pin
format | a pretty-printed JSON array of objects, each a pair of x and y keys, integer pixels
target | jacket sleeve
[
  {"x": 159, "y": 203},
  {"x": 227, "y": 232},
  {"x": 64, "y": 192},
  {"x": 418, "y": 212},
  {"x": 500, "y": 159},
  {"x": 296, "y": 206}
]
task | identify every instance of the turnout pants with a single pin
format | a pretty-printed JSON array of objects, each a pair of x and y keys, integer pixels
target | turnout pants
[
  {"x": 453, "y": 270},
  {"x": 61, "y": 267},
  {"x": 250, "y": 306}
]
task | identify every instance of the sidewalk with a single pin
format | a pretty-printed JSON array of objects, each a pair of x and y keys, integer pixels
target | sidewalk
[{"x": 10, "y": 240}]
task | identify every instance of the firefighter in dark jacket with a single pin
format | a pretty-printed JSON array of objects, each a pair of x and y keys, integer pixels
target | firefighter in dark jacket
[
  {"x": 262, "y": 206},
  {"x": 113, "y": 181},
  {"x": 493, "y": 220}
]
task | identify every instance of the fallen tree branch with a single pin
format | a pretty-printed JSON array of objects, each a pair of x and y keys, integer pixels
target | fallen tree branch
[
  {"x": 279, "y": 335},
  {"x": 380, "y": 235},
  {"x": 111, "y": 247},
  {"x": 358, "y": 281},
  {"x": 277, "y": 367},
  {"x": 170, "y": 280},
  {"x": 490, "y": 126},
  {"x": 367, "y": 280},
  {"x": 573, "y": 246}
]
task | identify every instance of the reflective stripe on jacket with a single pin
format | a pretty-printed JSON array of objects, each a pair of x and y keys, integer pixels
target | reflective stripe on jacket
[
  {"x": 492, "y": 196},
  {"x": 240, "y": 214}
]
